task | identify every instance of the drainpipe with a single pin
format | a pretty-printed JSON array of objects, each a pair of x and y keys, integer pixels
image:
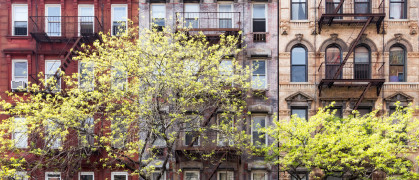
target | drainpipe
[
  {"x": 277, "y": 73},
  {"x": 315, "y": 54}
]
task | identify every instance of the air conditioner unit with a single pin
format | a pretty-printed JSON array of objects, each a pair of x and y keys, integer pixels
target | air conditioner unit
[{"x": 19, "y": 85}]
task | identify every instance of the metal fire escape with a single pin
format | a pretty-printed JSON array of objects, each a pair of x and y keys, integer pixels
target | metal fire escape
[{"x": 346, "y": 13}]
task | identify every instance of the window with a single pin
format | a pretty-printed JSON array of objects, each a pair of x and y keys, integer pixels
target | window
[
  {"x": 119, "y": 176},
  {"x": 338, "y": 112},
  {"x": 364, "y": 110},
  {"x": 398, "y": 9},
  {"x": 119, "y": 132},
  {"x": 158, "y": 15},
  {"x": 333, "y": 178},
  {"x": 225, "y": 15},
  {"x": 86, "y": 76},
  {"x": 333, "y": 60},
  {"x": 21, "y": 175},
  {"x": 331, "y": 6},
  {"x": 20, "y": 135},
  {"x": 397, "y": 64},
  {"x": 20, "y": 20},
  {"x": 192, "y": 15},
  {"x": 19, "y": 74},
  {"x": 191, "y": 175},
  {"x": 362, "y": 63},
  {"x": 301, "y": 176},
  {"x": 258, "y": 137},
  {"x": 87, "y": 176},
  {"x": 119, "y": 76},
  {"x": 259, "y": 175},
  {"x": 298, "y": 9},
  {"x": 227, "y": 121},
  {"x": 53, "y": 19},
  {"x": 226, "y": 68},
  {"x": 191, "y": 132},
  {"x": 362, "y": 7},
  {"x": 156, "y": 174},
  {"x": 301, "y": 112},
  {"x": 259, "y": 18},
  {"x": 51, "y": 67},
  {"x": 259, "y": 75},
  {"x": 52, "y": 176},
  {"x": 298, "y": 64},
  {"x": 225, "y": 175},
  {"x": 86, "y": 137},
  {"x": 53, "y": 135},
  {"x": 86, "y": 19},
  {"x": 119, "y": 18}
]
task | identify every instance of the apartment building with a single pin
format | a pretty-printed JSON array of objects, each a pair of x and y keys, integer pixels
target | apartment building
[
  {"x": 361, "y": 54},
  {"x": 38, "y": 35}
]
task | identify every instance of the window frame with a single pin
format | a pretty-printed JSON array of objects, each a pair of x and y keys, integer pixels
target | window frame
[
  {"x": 46, "y": 72},
  {"x": 87, "y": 173},
  {"x": 404, "y": 62},
  {"x": 198, "y": 19},
  {"x": 14, "y": 70},
  {"x": 119, "y": 145},
  {"x": 163, "y": 175},
  {"x": 224, "y": 171},
  {"x": 192, "y": 171},
  {"x": 265, "y": 75},
  {"x": 47, "y": 22},
  {"x": 119, "y": 173},
  {"x": 404, "y": 6},
  {"x": 305, "y": 108},
  {"x": 151, "y": 14},
  {"x": 58, "y": 140},
  {"x": 13, "y": 18},
  {"x": 79, "y": 69},
  {"x": 252, "y": 128},
  {"x": 52, "y": 173},
  {"x": 266, "y": 17},
  {"x": 79, "y": 14},
  {"x": 24, "y": 131},
  {"x": 305, "y": 63},
  {"x": 119, "y": 80},
  {"x": 218, "y": 134},
  {"x": 306, "y": 10},
  {"x": 231, "y": 11},
  {"x": 20, "y": 174},
  {"x": 369, "y": 75},
  {"x": 369, "y": 3},
  {"x": 90, "y": 130},
  {"x": 112, "y": 17},
  {"x": 257, "y": 172},
  {"x": 337, "y": 64}
]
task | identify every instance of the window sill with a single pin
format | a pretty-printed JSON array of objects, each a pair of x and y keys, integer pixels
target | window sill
[
  {"x": 300, "y": 21},
  {"x": 9, "y": 37},
  {"x": 396, "y": 20},
  {"x": 401, "y": 83}
]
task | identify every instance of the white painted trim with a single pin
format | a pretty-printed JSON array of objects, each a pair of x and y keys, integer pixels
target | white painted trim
[
  {"x": 47, "y": 173},
  {"x": 259, "y": 171},
  {"x": 13, "y": 18},
  {"x": 266, "y": 74},
  {"x": 119, "y": 173},
  {"x": 195, "y": 172},
  {"x": 231, "y": 10},
  {"x": 126, "y": 16},
  {"x": 13, "y": 68},
  {"x": 46, "y": 70},
  {"x": 79, "y": 14},
  {"x": 46, "y": 14},
  {"x": 266, "y": 16},
  {"x": 87, "y": 173},
  {"x": 266, "y": 124}
]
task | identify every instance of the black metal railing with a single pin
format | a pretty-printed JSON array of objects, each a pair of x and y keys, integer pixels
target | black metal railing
[
  {"x": 351, "y": 10},
  {"x": 65, "y": 26},
  {"x": 351, "y": 70},
  {"x": 208, "y": 21}
]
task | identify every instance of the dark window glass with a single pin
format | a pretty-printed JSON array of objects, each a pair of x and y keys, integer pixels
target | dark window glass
[
  {"x": 298, "y": 9},
  {"x": 338, "y": 112},
  {"x": 398, "y": 9},
  {"x": 301, "y": 176},
  {"x": 364, "y": 110},
  {"x": 259, "y": 18},
  {"x": 259, "y": 137},
  {"x": 118, "y": 28},
  {"x": 301, "y": 112},
  {"x": 362, "y": 63},
  {"x": 119, "y": 177},
  {"x": 333, "y": 60},
  {"x": 362, "y": 7},
  {"x": 298, "y": 64},
  {"x": 397, "y": 64},
  {"x": 21, "y": 28},
  {"x": 86, "y": 177},
  {"x": 331, "y": 5}
]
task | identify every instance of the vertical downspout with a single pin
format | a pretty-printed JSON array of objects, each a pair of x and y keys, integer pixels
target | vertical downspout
[
  {"x": 382, "y": 89},
  {"x": 277, "y": 72},
  {"x": 315, "y": 55},
  {"x": 36, "y": 44}
]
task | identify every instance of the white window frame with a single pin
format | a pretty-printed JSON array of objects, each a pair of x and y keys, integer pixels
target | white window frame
[
  {"x": 46, "y": 72},
  {"x": 229, "y": 142},
  {"x": 13, "y": 18},
  {"x": 80, "y": 19},
  {"x": 163, "y": 175},
  {"x": 151, "y": 11},
  {"x": 227, "y": 173},
  {"x": 87, "y": 173},
  {"x": 90, "y": 130},
  {"x": 23, "y": 130},
  {"x": 266, "y": 124},
  {"x": 13, "y": 68},
  {"x": 266, "y": 16},
  {"x": 125, "y": 82},
  {"x": 80, "y": 74},
  {"x": 20, "y": 174},
  {"x": 52, "y": 173},
  {"x": 232, "y": 10},
  {"x": 56, "y": 143},
  {"x": 119, "y": 173},
  {"x": 126, "y": 16},
  {"x": 266, "y": 74},
  {"x": 46, "y": 20},
  {"x": 194, "y": 172},
  {"x": 198, "y": 12},
  {"x": 259, "y": 171}
]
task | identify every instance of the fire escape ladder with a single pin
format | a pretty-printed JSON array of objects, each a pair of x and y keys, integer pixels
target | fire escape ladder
[
  {"x": 336, "y": 11},
  {"x": 214, "y": 170},
  {"x": 351, "y": 49},
  {"x": 362, "y": 96}
]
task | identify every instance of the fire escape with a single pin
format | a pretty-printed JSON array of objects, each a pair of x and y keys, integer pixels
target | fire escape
[
  {"x": 351, "y": 74},
  {"x": 65, "y": 34}
]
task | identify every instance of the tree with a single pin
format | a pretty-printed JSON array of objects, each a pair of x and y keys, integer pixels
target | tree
[
  {"x": 137, "y": 94},
  {"x": 355, "y": 147}
]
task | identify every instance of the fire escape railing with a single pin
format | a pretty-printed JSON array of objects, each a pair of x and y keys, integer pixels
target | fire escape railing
[
  {"x": 63, "y": 27},
  {"x": 351, "y": 71},
  {"x": 209, "y": 22}
]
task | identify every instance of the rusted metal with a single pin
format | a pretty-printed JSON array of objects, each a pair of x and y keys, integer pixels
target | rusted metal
[
  {"x": 336, "y": 11},
  {"x": 362, "y": 96},
  {"x": 208, "y": 22}
]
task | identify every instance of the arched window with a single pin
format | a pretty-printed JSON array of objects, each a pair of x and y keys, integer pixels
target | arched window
[
  {"x": 362, "y": 63},
  {"x": 299, "y": 64},
  {"x": 397, "y": 64},
  {"x": 333, "y": 59}
]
